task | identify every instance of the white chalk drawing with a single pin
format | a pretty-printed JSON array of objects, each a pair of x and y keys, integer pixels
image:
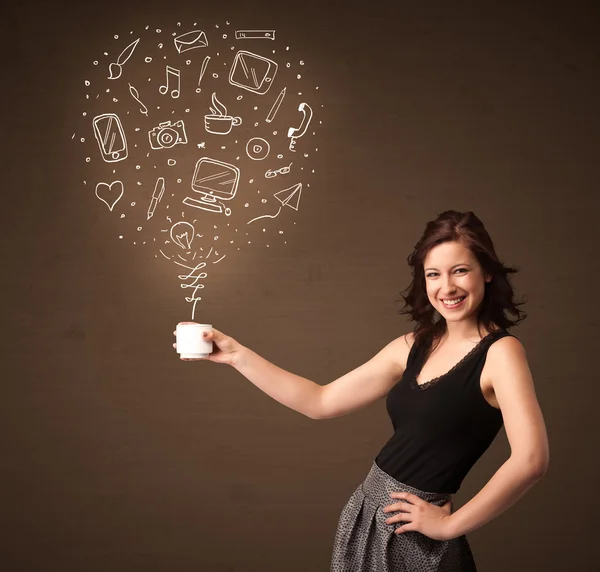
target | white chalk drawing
[
  {"x": 252, "y": 72},
  {"x": 202, "y": 70},
  {"x": 297, "y": 132},
  {"x": 289, "y": 197},
  {"x": 255, "y": 34},
  {"x": 116, "y": 68},
  {"x": 159, "y": 189},
  {"x": 214, "y": 181},
  {"x": 134, "y": 93},
  {"x": 173, "y": 75},
  {"x": 218, "y": 122},
  {"x": 194, "y": 275},
  {"x": 257, "y": 148},
  {"x": 110, "y": 135},
  {"x": 167, "y": 134},
  {"x": 182, "y": 234},
  {"x": 190, "y": 41},
  {"x": 110, "y": 194},
  {"x": 275, "y": 107},
  {"x": 282, "y": 171}
]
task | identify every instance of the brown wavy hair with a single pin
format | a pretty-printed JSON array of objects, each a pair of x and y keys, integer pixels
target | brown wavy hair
[{"x": 498, "y": 295}]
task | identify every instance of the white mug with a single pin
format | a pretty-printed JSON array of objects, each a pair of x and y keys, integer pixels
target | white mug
[{"x": 189, "y": 340}]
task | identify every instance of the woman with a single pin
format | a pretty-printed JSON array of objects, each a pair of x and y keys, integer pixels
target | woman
[{"x": 449, "y": 386}]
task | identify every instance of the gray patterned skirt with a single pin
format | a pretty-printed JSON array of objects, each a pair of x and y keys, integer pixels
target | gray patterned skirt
[{"x": 365, "y": 543}]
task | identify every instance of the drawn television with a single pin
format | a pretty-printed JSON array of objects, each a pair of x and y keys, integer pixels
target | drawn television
[{"x": 214, "y": 181}]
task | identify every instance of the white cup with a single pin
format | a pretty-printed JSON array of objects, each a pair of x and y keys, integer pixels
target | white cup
[{"x": 189, "y": 340}]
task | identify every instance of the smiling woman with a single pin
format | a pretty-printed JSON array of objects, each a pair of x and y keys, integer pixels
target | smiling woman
[{"x": 449, "y": 385}]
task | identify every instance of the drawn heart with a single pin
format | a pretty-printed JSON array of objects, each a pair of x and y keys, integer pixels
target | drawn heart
[{"x": 109, "y": 194}]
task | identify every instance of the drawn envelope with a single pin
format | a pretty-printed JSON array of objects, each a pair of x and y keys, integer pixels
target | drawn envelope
[{"x": 190, "y": 41}]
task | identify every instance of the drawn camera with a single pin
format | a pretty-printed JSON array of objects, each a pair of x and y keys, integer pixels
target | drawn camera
[{"x": 167, "y": 134}]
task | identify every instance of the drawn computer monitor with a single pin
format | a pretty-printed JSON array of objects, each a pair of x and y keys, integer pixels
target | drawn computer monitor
[{"x": 214, "y": 181}]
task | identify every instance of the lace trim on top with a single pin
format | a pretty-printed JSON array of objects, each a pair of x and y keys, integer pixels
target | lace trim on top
[{"x": 435, "y": 380}]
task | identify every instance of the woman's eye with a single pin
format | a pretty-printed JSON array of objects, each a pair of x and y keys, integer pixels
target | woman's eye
[{"x": 434, "y": 273}]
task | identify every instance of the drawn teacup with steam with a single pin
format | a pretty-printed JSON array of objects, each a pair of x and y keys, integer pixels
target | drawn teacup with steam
[{"x": 218, "y": 122}]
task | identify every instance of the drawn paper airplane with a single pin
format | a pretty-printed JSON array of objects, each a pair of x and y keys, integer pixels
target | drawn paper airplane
[{"x": 289, "y": 197}]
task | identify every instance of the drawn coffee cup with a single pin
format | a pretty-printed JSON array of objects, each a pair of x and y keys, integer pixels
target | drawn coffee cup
[{"x": 221, "y": 124}]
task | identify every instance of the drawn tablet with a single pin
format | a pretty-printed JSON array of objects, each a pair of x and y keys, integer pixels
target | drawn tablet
[
  {"x": 252, "y": 72},
  {"x": 111, "y": 137}
]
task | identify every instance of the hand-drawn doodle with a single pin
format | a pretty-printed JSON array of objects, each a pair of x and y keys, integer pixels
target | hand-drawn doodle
[
  {"x": 110, "y": 135},
  {"x": 159, "y": 189},
  {"x": 194, "y": 275},
  {"x": 190, "y": 41},
  {"x": 182, "y": 234},
  {"x": 282, "y": 171},
  {"x": 214, "y": 181},
  {"x": 252, "y": 72},
  {"x": 297, "y": 132},
  {"x": 167, "y": 134},
  {"x": 275, "y": 107},
  {"x": 289, "y": 197},
  {"x": 257, "y": 148},
  {"x": 134, "y": 93},
  {"x": 202, "y": 70},
  {"x": 219, "y": 123},
  {"x": 116, "y": 68},
  {"x": 174, "y": 75},
  {"x": 110, "y": 194},
  {"x": 255, "y": 34}
]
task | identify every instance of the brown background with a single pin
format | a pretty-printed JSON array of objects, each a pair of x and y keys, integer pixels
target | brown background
[{"x": 117, "y": 456}]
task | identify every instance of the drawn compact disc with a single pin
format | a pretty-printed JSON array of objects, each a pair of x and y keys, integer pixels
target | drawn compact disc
[{"x": 257, "y": 149}]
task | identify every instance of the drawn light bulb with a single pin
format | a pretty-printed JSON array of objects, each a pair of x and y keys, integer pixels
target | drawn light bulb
[{"x": 182, "y": 234}]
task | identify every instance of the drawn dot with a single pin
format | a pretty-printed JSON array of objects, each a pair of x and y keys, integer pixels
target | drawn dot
[
  {"x": 122, "y": 216},
  {"x": 224, "y": 36},
  {"x": 84, "y": 113},
  {"x": 251, "y": 181},
  {"x": 299, "y": 93},
  {"x": 116, "y": 36},
  {"x": 140, "y": 184},
  {"x": 187, "y": 110},
  {"x": 280, "y": 156},
  {"x": 137, "y": 167},
  {"x": 298, "y": 76},
  {"x": 179, "y": 23},
  {"x": 132, "y": 204},
  {"x": 256, "y": 124},
  {"x": 108, "y": 90},
  {"x": 95, "y": 62},
  {"x": 87, "y": 96},
  {"x": 188, "y": 62},
  {"x": 174, "y": 34},
  {"x": 246, "y": 205},
  {"x": 179, "y": 180},
  {"x": 239, "y": 97},
  {"x": 147, "y": 59},
  {"x": 137, "y": 128},
  {"x": 106, "y": 53},
  {"x": 139, "y": 228},
  {"x": 301, "y": 62},
  {"x": 115, "y": 99},
  {"x": 88, "y": 159},
  {"x": 255, "y": 108},
  {"x": 233, "y": 47},
  {"x": 273, "y": 51},
  {"x": 287, "y": 48},
  {"x": 147, "y": 27},
  {"x": 263, "y": 201},
  {"x": 274, "y": 132},
  {"x": 121, "y": 236},
  {"x": 318, "y": 88},
  {"x": 160, "y": 46},
  {"x": 281, "y": 232},
  {"x": 87, "y": 82},
  {"x": 158, "y": 30},
  {"x": 171, "y": 162},
  {"x": 306, "y": 154},
  {"x": 83, "y": 139},
  {"x": 287, "y": 65},
  {"x": 215, "y": 75}
]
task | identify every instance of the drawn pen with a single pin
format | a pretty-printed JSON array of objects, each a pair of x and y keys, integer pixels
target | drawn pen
[
  {"x": 275, "y": 107},
  {"x": 159, "y": 189}
]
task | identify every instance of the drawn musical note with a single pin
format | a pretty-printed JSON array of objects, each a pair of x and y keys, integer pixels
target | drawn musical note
[
  {"x": 134, "y": 93},
  {"x": 116, "y": 68},
  {"x": 175, "y": 76},
  {"x": 202, "y": 70}
]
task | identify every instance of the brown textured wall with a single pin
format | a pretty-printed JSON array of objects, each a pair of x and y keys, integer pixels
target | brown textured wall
[{"x": 117, "y": 456}]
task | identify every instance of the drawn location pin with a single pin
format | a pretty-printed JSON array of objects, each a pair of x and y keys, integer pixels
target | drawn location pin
[
  {"x": 109, "y": 194},
  {"x": 182, "y": 234}
]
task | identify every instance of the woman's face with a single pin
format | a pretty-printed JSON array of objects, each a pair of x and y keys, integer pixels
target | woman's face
[{"x": 451, "y": 272}]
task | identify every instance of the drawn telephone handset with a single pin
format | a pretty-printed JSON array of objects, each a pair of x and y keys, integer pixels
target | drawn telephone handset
[{"x": 297, "y": 132}]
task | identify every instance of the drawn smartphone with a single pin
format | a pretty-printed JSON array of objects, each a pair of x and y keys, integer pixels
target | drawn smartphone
[
  {"x": 252, "y": 72},
  {"x": 111, "y": 137}
]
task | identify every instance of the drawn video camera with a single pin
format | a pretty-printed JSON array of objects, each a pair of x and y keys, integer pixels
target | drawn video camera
[{"x": 167, "y": 134}]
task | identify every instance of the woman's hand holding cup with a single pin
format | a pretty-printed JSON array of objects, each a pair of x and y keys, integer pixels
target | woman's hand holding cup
[{"x": 224, "y": 348}]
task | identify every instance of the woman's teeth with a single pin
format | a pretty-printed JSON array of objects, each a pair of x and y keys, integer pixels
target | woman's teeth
[{"x": 453, "y": 302}]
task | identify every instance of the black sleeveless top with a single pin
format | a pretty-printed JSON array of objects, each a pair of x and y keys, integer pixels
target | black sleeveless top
[{"x": 441, "y": 427}]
